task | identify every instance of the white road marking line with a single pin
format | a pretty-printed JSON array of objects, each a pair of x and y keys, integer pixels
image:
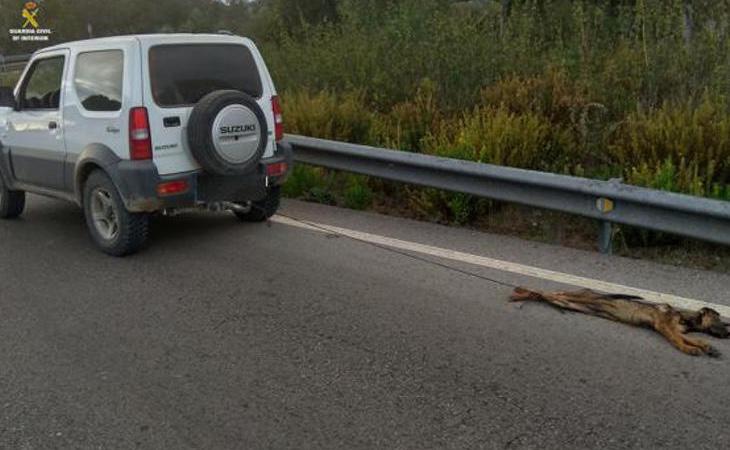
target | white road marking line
[{"x": 506, "y": 266}]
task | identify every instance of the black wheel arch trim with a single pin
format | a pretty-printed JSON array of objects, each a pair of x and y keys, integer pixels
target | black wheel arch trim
[
  {"x": 136, "y": 181},
  {"x": 5, "y": 173}
]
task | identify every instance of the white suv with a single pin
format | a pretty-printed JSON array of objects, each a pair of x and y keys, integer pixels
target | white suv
[{"x": 134, "y": 125}]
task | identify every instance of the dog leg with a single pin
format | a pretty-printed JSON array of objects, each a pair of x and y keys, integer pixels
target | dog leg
[
  {"x": 702, "y": 345},
  {"x": 677, "y": 339}
]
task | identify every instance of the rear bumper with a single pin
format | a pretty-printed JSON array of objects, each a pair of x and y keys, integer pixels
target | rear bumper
[{"x": 139, "y": 182}]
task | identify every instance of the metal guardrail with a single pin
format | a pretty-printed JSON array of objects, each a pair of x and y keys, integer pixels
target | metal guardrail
[
  {"x": 607, "y": 201},
  {"x": 14, "y": 62}
]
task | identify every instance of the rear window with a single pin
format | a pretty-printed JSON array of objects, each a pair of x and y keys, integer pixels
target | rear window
[
  {"x": 181, "y": 75},
  {"x": 98, "y": 80}
]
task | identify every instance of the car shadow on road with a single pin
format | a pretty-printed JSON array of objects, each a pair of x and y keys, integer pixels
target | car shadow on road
[
  {"x": 198, "y": 225},
  {"x": 46, "y": 219}
]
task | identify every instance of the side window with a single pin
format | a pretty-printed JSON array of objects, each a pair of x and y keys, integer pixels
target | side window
[
  {"x": 98, "y": 80},
  {"x": 43, "y": 88}
]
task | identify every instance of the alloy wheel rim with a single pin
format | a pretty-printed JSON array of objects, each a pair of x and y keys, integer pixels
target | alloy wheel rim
[{"x": 104, "y": 214}]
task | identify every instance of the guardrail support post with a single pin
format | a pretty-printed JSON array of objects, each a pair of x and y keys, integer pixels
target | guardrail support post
[{"x": 605, "y": 237}]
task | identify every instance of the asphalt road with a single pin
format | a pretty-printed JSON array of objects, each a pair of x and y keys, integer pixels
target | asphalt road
[{"x": 235, "y": 336}]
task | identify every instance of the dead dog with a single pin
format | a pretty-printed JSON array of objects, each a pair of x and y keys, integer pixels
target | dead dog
[{"x": 669, "y": 322}]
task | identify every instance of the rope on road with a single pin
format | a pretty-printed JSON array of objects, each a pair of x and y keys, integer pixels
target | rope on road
[{"x": 402, "y": 253}]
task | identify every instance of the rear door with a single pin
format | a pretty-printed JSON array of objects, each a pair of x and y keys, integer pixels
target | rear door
[
  {"x": 35, "y": 132},
  {"x": 180, "y": 75}
]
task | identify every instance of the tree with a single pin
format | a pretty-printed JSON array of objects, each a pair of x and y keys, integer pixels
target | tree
[{"x": 294, "y": 13}]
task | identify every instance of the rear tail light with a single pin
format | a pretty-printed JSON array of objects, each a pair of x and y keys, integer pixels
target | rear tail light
[
  {"x": 276, "y": 169},
  {"x": 278, "y": 118},
  {"x": 172, "y": 187},
  {"x": 140, "y": 140}
]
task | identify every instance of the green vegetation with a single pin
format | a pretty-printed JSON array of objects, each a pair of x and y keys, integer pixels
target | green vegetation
[
  {"x": 9, "y": 78},
  {"x": 636, "y": 90},
  {"x": 631, "y": 89}
]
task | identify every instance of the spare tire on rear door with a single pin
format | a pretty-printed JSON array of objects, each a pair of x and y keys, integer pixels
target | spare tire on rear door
[{"x": 227, "y": 133}]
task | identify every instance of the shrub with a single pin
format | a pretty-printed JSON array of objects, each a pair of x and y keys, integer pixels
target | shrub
[
  {"x": 303, "y": 180},
  {"x": 328, "y": 115},
  {"x": 498, "y": 136},
  {"x": 8, "y": 79},
  {"x": 676, "y": 147},
  {"x": 551, "y": 94},
  {"x": 564, "y": 104},
  {"x": 409, "y": 122},
  {"x": 357, "y": 194}
]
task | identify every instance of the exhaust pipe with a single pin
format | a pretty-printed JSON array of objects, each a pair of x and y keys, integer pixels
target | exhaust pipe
[{"x": 230, "y": 206}]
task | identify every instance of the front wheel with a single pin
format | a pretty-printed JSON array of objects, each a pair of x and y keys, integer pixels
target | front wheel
[
  {"x": 12, "y": 203},
  {"x": 115, "y": 230},
  {"x": 262, "y": 210}
]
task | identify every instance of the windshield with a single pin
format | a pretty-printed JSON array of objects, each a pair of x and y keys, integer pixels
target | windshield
[{"x": 183, "y": 74}]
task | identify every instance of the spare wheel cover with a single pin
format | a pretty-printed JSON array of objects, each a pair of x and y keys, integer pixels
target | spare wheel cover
[{"x": 236, "y": 134}]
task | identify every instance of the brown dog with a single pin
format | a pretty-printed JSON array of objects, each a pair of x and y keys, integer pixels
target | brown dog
[{"x": 667, "y": 321}]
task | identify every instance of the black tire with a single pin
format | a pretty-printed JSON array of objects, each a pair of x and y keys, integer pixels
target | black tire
[
  {"x": 133, "y": 228},
  {"x": 262, "y": 210},
  {"x": 12, "y": 203},
  {"x": 200, "y": 132}
]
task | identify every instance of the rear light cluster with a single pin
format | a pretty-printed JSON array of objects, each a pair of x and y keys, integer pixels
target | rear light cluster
[
  {"x": 140, "y": 139},
  {"x": 276, "y": 169},
  {"x": 278, "y": 118},
  {"x": 172, "y": 187}
]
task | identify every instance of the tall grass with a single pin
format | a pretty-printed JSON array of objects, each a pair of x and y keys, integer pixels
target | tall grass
[
  {"x": 623, "y": 54},
  {"x": 597, "y": 89}
]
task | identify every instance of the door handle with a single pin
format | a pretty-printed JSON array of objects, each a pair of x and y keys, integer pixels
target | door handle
[
  {"x": 52, "y": 125},
  {"x": 111, "y": 129}
]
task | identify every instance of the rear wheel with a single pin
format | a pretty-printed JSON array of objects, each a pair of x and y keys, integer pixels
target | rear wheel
[
  {"x": 262, "y": 210},
  {"x": 12, "y": 203},
  {"x": 115, "y": 230}
]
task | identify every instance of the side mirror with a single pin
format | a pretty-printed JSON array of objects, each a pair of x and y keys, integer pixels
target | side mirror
[{"x": 7, "y": 98}]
